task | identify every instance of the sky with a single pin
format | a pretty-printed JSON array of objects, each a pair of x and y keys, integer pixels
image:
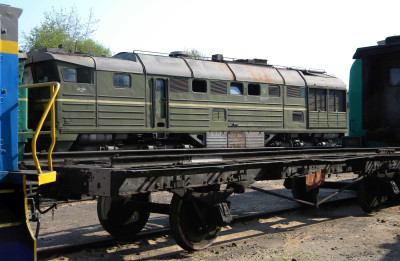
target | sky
[{"x": 321, "y": 34}]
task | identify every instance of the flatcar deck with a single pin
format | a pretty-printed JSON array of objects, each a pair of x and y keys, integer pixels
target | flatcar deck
[{"x": 154, "y": 170}]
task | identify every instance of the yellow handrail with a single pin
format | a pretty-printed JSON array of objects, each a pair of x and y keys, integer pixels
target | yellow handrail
[{"x": 54, "y": 88}]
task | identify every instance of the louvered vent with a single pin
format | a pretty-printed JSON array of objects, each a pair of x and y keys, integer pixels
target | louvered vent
[
  {"x": 331, "y": 99},
  {"x": 218, "y": 88},
  {"x": 274, "y": 91},
  {"x": 340, "y": 101},
  {"x": 311, "y": 100},
  {"x": 321, "y": 100},
  {"x": 178, "y": 85},
  {"x": 293, "y": 92}
]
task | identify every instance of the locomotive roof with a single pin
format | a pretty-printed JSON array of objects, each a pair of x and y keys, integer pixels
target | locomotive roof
[
  {"x": 186, "y": 67},
  {"x": 322, "y": 80},
  {"x": 99, "y": 63}
]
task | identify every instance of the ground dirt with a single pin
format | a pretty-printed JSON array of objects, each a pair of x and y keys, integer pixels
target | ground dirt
[{"x": 334, "y": 232}]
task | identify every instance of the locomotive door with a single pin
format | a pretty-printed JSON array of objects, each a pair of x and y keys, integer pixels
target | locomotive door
[{"x": 159, "y": 102}]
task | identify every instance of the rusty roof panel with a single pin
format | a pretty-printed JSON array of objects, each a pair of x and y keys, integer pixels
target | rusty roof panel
[
  {"x": 323, "y": 80},
  {"x": 46, "y": 56},
  {"x": 292, "y": 77},
  {"x": 210, "y": 70},
  {"x": 117, "y": 65},
  {"x": 254, "y": 73},
  {"x": 163, "y": 65}
]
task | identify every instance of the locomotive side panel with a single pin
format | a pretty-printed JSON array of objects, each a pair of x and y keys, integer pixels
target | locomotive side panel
[
  {"x": 121, "y": 102},
  {"x": 159, "y": 101}
]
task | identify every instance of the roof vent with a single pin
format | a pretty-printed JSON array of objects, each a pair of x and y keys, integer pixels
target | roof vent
[
  {"x": 179, "y": 54},
  {"x": 217, "y": 58}
]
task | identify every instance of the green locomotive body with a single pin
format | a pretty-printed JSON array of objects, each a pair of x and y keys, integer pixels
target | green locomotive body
[
  {"x": 374, "y": 95},
  {"x": 136, "y": 100}
]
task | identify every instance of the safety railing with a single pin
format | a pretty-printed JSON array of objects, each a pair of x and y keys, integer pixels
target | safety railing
[{"x": 54, "y": 88}]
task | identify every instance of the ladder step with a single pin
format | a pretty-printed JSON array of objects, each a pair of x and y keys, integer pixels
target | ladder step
[
  {"x": 13, "y": 224},
  {"x": 7, "y": 191}
]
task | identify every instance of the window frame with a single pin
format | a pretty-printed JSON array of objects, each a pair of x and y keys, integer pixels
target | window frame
[
  {"x": 205, "y": 84},
  {"x": 88, "y": 79},
  {"x": 254, "y": 85},
  {"x": 239, "y": 86},
  {"x": 124, "y": 86},
  {"x": 279, "y": 88},
  {"x": 64, "y": 74},
  {"x": 390, "y": 77}
]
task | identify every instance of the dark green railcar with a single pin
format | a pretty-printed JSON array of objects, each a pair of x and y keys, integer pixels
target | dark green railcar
[
  {"x": 22, "y": 108},
  {"x": 136, "y": 100},
  {"x": 374, "y": 95}
]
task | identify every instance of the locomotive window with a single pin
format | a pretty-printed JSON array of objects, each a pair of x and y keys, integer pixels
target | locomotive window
[
  {"x": 199, "y": 86},
  {"x": 303, "y": 92},
  {"x": 84, "y": 75},
  {"x": 44, "y": 72},
  {"x": 394, "y": 77},
  {"x": 69, "y": 75},
  {"x": 274, "y": 91},
  {"x": 236, "y": 88},
  {"x": 122, "y": 80},
  {"x": 253, "y": 89},
  {"x": 79, "y": 75}
]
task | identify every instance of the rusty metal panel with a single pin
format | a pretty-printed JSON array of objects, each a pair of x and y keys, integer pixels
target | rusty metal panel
[
  {"x": 254, "y": 139},
  {"x": 75, "y": 59},
  {"x": 315, "y": 179},
  {"x": 117, "y": 65},
  {"x": 254, "y": 73},
  {"x": 236, "y": 140},
  {"x": 216, "y": 139},
  {"x": 100, "y": 183},
  {"x": 292, "y": 77},
  {"x": 210, "y": 70},
  {"x": 323, "y": 80},
  {"x": 163, "y": 65}
]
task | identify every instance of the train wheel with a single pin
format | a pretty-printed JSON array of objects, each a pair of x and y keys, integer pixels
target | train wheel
[
  {"x": 369, "y": 194},
  {"x": 299, "y": 191},
  {"x": 121, "y": 221},
  {"x": 187, "y": 226}
]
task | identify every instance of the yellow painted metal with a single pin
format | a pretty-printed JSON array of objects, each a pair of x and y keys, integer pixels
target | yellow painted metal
[
  {"x": 9, "y": 47},
  {"x": 14, "y": 224},
  {"x": 53, "y": 129},
  {"x": 54, "y": 88},
  {"x": 47, "y": 177},
  {"x": 6, "y": 191},
  {"x": 27, "y": 219}
]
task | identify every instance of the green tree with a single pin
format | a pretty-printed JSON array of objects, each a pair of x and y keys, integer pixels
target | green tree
[
  {"x": 67, "y": 28},
  {"x": 194, "y": 53}
]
